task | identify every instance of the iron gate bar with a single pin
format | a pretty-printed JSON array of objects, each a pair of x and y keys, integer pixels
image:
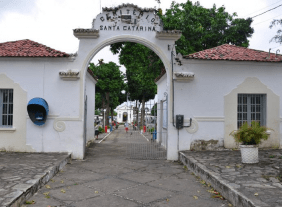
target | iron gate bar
[{"x": 141, "y": 145}]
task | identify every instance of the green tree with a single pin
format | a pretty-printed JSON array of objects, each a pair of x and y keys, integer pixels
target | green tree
[
  {"x": 278, "y": 37},
  {"x": 142, "y": 67},
  {"x": 110, "y": 83},
  {"x": 204, "y": 28},
  {"x": 154, "y": 110},
  {"x": 97, "y": 112}
]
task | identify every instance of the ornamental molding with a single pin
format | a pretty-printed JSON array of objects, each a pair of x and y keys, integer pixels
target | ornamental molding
[
  {"x": 70, "y": 75},
  {"x": 127, "y": 18},
  {"x": 183, "y": 76},
  {"x": 210, "y": 118},
  {"x": 59, "y": 125},
  {"x": 193, "y": 128},
  {"x": 86, "y": 33},
  {"x": 169, "y": 34},
  {"x": 128, "y": 5}
]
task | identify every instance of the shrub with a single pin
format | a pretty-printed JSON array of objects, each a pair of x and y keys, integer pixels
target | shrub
[
  {"x": 101, "y": 130},
  {"x": 250, "y": 135},
  {"x": 152, "y": 130}
]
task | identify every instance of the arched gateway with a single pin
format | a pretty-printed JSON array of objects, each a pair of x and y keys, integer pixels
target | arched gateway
[
  {"x": 68, "y": 87},
  {"x": 207, "y": 106},
  {"x": 126, "y": 22}
]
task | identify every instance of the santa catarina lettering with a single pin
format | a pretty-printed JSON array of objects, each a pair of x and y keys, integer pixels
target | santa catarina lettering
[
  {"x": 128, "y": 28},
  {"x": 128, "y": 19}
]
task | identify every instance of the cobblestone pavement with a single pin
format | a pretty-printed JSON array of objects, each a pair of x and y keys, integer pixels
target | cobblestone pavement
[
  {"x": 21, "y": 174},
  {"x": 259, "y": 183},
  {"x": 108, "y": 178}
]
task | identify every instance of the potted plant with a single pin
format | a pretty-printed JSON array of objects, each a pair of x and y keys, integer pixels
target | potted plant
[{"x": 249, "y": 137}]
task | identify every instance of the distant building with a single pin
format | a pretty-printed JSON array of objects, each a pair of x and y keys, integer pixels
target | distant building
[{"x": 124, "y": 113}]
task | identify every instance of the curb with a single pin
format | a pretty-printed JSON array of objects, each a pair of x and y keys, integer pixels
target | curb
[
  {"x": 38, "y": 183},
  {"x": 105, "y": 137},
  {"x": 145, "y": 137},
  {"x": 223, "y": 187}
]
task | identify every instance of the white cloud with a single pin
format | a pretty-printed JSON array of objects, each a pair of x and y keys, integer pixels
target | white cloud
[{"x": 52, "y": 22}]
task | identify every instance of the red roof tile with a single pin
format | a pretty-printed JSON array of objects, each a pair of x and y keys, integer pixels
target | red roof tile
[
  {"x": 28, "y": 48},
  {"x": 92, "y": 74},
  {"x": 163, "y": 72},
  {"x": 234, "y": 53}
]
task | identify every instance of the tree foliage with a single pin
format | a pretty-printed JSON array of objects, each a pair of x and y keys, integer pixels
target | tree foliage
[
  {"x": 204, "y": 28},
  {"x": 201, "y": 29},
  {"x": 109, "y": 86},
  {"x": 278, "y": 37},
  {"x": 154, "y": 110},
  {"x": 142, "y": 67}
]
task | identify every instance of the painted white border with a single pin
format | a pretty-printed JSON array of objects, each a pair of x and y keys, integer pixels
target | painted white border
[{"x": 252, "y": 85}]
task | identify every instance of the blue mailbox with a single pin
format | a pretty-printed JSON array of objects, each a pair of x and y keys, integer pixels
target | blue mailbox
[{"x": 38, "y": 109}]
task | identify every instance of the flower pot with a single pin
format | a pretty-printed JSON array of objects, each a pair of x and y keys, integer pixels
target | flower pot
[{"x": 249, "y": 153}]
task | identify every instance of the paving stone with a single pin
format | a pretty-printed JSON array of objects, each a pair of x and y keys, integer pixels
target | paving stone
[
  {"x": 248, "y": 178},
  {"x": 108, "y": 178},
  {"x": 234, "y": 185},
  {"x": 110, "y": 185},
  {"x": 20, "y": 173},
  {"x": 145, "y": 194},
  {"x": 228, "y": 170},
  {"x": 72, "y": 193},
  {"x": 258, "y": 186},
  {"x": 107, "y": 200},
  {"x": 274, "y": 180},
  {"x": 140, "y": 177}
]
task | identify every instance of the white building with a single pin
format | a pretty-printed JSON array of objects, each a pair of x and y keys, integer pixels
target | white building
[
  {"x": 206, "y": 87},
  {"x": 29, "y": 69},
  {"x": 222, "y": 87},
  {"x": 124, "y": 113}
]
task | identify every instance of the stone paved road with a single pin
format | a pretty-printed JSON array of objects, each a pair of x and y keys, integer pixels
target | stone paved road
[
  {"x": 257, "y": 182},
  {"x": 23, "y": 173},
  {"x": 108, "y": 178}
]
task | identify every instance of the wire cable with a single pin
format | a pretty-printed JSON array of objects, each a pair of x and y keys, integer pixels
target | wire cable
[
  {"x": 266, "y": 11},
  {"x": 261, "y": 9},
  {"x": 267, "y": 19}
]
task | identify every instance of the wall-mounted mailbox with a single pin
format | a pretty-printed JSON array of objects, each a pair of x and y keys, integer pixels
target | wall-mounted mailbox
[{"x": 38, "y": 109}]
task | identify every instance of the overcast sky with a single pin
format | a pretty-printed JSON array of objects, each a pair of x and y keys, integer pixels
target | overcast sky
[{"x": 50, "y": 22}]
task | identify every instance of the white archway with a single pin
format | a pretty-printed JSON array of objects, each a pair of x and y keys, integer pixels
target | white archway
[{"x": 125, "y": 23}]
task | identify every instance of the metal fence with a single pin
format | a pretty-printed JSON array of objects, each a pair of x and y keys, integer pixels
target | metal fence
[{"x": 147, "y": 140}]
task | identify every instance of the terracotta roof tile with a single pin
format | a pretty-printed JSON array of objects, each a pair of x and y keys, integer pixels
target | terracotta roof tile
[
  {"x": 28, "y": 48},
  {"x": 92, "y": 74},
  {"x": 163, "y": 72},
  {"x": 234, "y": 53}
]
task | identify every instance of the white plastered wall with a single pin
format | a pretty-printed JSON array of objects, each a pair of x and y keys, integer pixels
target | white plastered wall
[
  {"x": 39, "y": 77},
  {"x": 203, "y": 98},
  {"x": 63, "y": 131},
  {"x": 90, "y": 92},
  {"x": 162, "y": 96},
  {"x": 14, "y": 139},
  {"x": 252, "y": 85},
  {"x": 88, "y": 48}
]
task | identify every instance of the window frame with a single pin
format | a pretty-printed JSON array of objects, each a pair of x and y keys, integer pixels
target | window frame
[
  {"x": 249, "y": 106},
  {"x": 9, "y": 108}
]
